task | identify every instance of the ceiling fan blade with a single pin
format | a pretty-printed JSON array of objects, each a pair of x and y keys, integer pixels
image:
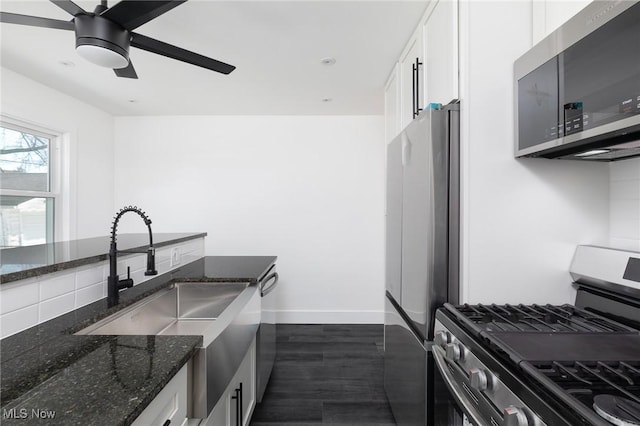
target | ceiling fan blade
[
  {"x": 170, "y": 51},
  {"x": 69, "y": 7},
  {"x": 126, "y": 72},
  {"x": 35, "y": 21},
  {"x": 132, "y": 14}
]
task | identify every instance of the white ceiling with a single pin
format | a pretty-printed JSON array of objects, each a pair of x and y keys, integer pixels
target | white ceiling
[{"x": 276, "y": 46}]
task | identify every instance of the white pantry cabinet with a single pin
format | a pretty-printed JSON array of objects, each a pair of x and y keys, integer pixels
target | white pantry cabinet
[
  {"x": 440, "y": 31},
  {"x": 236, "y": 404},
  {"x": 412, "y": 56},
  {"x": 392, "y": 105},
  {"x": 434, "y": 44},
  {"x": 170, "y": 405}
]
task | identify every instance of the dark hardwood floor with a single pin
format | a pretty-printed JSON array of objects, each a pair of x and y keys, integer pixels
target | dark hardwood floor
[{"x": 326, "y": 374}]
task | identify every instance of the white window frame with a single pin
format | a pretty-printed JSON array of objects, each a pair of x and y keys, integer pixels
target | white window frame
[{"x": 55, "y": 171}]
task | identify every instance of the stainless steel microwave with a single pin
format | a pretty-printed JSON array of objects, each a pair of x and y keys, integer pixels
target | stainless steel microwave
[{"x": 578, "y": 90}]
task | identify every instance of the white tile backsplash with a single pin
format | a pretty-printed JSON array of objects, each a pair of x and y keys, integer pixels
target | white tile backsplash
[
  {"x": 163, "y": 266},
  {"x": 624, "y": 190},
  {"x": 626, "y": 170},
  {"x": 18, "y": 295},
  {"x": 29, "y": 302},
  {"x": 622, "y": 209},
  {"x": 16, "y": 321},
  {"x": 90, "y": 294},
  {"x": 625, "y": 228},
  {"x": 624, "y": 204},
  {"x": 91, "y": 276},
  {"x": 625, "y": 244},
  {"x": 57, "y": 306},
  {"x": 57, "y": 285}
]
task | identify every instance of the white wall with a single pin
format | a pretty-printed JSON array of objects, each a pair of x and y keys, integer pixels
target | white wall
[
  {"x": 308, "y": 189},
  {"x": 548, "y": 15},
  {"x": 522, "y": 219},
  {"x": 624, "y": 213},
  {"x": 88, "y": 139}
]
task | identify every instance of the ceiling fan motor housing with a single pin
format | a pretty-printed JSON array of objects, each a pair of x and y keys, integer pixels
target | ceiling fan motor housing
[{"x": 94, "y": 30}]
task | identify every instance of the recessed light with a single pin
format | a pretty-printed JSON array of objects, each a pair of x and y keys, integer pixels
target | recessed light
[
  {"x": 67, "y": 64},
  {"x": 326, "y": 99},
  {"x": 328, "y": 61}
]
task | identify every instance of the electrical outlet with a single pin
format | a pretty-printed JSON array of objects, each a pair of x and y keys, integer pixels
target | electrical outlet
[{"x": 175, "y": 256}]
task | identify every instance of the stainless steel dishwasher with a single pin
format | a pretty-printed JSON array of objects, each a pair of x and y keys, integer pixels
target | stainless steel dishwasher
[{"x": 266, "y": 338}]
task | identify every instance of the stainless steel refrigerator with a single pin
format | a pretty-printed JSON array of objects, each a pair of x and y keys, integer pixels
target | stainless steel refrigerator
[{"x": 422, "y": 262}]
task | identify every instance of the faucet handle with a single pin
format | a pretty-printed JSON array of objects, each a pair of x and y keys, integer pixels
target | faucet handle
[
  {"x": 151, "y": 262},
  {"x": 128, "y": 282}
]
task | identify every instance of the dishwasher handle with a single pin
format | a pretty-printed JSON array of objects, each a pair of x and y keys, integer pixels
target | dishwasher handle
[{"x": 264, "y": 289}]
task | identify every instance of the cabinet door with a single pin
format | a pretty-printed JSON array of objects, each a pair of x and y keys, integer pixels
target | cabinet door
[
  {"x": 412, "y": 51},
  {"x": 392, "y": 105},
  {"x": 236, "y": 405},
  {"x": 169, "y": 405},
  {"x": 220, "y": 414},
  {"x": 441, "y": 53},
  {"x": 243, "y": 396}
]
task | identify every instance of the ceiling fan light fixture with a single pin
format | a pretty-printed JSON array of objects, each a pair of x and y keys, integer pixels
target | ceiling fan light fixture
[
  {"x": 102, "y": 42},
  {"x": 102, "y": 56}
]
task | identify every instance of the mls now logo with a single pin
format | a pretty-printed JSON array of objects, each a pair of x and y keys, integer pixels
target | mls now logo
[{"x": 24, "y": 413}]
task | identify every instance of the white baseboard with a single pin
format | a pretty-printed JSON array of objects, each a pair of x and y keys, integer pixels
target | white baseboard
[{"x": 330, "y": 317}]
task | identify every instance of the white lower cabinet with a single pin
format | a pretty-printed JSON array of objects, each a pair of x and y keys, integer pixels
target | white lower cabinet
[
  {"x": 236, "y": 405},
  {"x": 170, "y": 406}
]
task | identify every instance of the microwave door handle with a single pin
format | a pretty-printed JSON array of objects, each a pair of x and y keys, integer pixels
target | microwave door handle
[{"x": 264, "y": 290}]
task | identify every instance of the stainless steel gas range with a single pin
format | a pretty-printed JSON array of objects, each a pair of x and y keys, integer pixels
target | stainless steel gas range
[{"x": 550, "y": 365}]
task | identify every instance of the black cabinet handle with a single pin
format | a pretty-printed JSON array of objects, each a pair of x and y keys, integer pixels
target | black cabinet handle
[
  {"x": 238, "y": 398},
  {"x": 416, "y": 88},
  {"x": 167, "y": 423},
  {"x": 413, "y": 90},
  {"x": 240, "y": 406}
]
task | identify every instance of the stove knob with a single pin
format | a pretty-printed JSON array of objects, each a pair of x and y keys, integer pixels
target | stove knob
[
  {"x": 480, "y": 380},
  {"x": 442, "y": 338},
  {"x": 514, "y": 417},
  {"x": 455, "y": 351}
]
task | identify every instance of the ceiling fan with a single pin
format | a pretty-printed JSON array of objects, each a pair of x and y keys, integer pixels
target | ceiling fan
[{"x": 105, "y": 35}]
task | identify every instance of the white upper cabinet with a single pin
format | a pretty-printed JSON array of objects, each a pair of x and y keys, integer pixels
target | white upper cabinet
[
  {"x": 548, "y": 15},
  {"x": 440, "y": 31},
  {"x": 392, "y": 105},
  {"x": 433, "y": 48},
  {"x": 411, "y": 82}
]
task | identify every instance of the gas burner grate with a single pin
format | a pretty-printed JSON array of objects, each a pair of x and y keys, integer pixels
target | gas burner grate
[
  {"x": 583, "y": 381},
  {"x": 537, "y": 318}
]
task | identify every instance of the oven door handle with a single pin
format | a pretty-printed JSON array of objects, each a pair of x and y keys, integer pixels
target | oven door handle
[{"x": 458, "y": 393}]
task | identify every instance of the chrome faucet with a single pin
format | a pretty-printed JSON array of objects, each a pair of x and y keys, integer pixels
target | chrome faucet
[{"x": 114, "y": 284}]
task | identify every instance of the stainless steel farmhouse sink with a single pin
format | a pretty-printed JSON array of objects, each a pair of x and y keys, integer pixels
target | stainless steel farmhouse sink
[
  {"x": 184, "y": 308},
  {"x": 226, "y": 315}
]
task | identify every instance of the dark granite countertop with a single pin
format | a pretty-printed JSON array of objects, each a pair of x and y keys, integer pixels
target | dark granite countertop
[
  {"x": 19, "y": 263},
  {"x": 104, "y": 379}
]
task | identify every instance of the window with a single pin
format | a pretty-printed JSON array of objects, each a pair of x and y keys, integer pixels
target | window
[{"x": 28, "y": 186}]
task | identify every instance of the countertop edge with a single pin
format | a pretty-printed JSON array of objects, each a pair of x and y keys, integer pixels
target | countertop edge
[{"x": 57, "y": 267}]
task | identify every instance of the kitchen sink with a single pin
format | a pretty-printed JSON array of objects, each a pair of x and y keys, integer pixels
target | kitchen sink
[
  {"x": 226, "y": 315},
  {"x": 186, "y": 308}
]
